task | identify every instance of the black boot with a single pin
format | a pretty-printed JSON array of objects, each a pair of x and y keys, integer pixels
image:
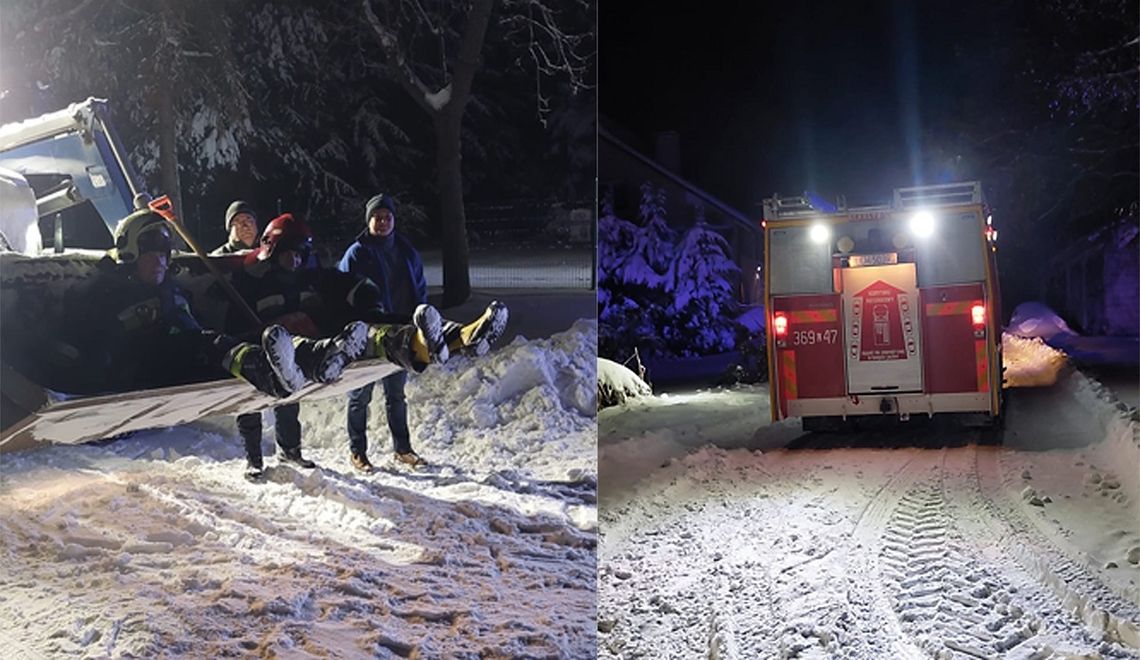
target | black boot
[
  {"x": 254, "y": 470},
  {"x": 250, "y": 363},
  {"x": 281, "y": 353},
  {"x": 293, "y": 456},
  {"x": 324, "y": 361}
]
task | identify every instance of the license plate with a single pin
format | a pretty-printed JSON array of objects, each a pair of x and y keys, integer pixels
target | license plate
[{"x": 857, "y": 260}]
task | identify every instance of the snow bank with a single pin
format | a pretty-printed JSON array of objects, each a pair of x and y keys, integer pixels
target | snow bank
[
  {"x": 528, "y": 407},
  {"x": 617, "y": 384},
  {"x": 1035, "y": 319},
  {"x": 1030, "y": 362}
]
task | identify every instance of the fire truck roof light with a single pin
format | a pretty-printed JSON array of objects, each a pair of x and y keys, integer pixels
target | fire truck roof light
[
  {"x": 922, "y": 224},
  {"x": 819, "y": 233}
]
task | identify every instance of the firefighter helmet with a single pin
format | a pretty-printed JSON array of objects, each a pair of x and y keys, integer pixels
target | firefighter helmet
[
  {"x": 139, "y": 232},
  {"x": 285, "y": 233}
]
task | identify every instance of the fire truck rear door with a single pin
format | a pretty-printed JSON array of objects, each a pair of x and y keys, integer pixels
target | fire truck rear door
[{"x": 881, "y": 329}]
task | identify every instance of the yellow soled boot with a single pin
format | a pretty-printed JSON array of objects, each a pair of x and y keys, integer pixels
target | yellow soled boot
[{"x": 477, "y": 336}]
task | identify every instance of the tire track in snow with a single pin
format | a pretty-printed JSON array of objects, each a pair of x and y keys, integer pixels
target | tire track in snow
[
  {"x": 948, "y": 604},
  {"x": 1065, "y": 575},
  {"x": 865, "y": 593}
]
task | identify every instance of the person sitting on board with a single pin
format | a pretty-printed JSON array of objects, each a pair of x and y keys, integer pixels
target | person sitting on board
[
  {"x": 282, "y": 281},
  {"x": 130, "y": 327}
]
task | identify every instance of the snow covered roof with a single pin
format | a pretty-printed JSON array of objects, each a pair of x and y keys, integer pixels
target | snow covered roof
[{"x": 704, "y": 196}]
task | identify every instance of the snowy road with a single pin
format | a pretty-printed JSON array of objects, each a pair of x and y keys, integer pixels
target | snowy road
[
  {"x": 885, "y": 545},
  {"x": 155, "y": 546}
]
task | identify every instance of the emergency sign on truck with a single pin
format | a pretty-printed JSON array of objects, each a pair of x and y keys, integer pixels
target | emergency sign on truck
[{"x": 887, "y": 310}]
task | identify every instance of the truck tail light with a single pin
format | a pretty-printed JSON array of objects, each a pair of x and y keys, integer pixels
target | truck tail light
[
  {"x": 780, "y": 324},
  {"x": 978, "y": 316}
]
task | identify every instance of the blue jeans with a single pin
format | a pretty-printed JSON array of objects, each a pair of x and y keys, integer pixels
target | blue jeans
[{"x": 394, "y": 404}]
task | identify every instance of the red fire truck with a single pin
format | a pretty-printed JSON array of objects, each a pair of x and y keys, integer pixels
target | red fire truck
[{"x": 885, "y": 310}]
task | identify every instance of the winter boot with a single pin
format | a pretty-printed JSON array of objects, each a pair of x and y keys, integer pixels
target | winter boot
[
  {"x": 254, "y": 470},
  {"x": 293, "y": 456},
  {"x": 251, "y": 364},
  {"x": 411, "y": 459},
  {"x": 429, "y": 345},
  {"x": 281, "y": 351},
  {"x": 324, "y": 361},
  {"x": 476, "y": 337},
  {"x": 362, "y": 464}
]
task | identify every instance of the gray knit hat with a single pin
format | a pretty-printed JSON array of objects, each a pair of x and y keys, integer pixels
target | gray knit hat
[
  {"x": 376, "y": 202},
  {"x": 238, "y": 207}
]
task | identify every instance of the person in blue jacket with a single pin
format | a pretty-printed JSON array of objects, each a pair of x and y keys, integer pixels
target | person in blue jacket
[{"x": 390, "y": 261}]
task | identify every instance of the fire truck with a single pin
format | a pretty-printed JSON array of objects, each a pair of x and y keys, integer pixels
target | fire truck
[{"x": 883, "y": 311}]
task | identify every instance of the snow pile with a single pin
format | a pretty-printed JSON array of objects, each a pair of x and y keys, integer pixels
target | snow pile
[
  {"x": 1120, "y": 421},
  {"x": 1034, "y": 319},
  {"x": 528, "y": 407},
  {"x": 617, "y": 384},
  {"x": 754, "y": 320},
  {"x": 154, "y": 545},
  {"x": 1030, "y": 362}
]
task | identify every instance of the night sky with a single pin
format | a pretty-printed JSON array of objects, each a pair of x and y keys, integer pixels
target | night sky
[{"x": 783, "y": 97}]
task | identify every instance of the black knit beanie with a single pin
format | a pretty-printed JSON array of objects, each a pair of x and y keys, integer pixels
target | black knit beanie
[
  {"x": 376, "y": 202},
  {"x": 238, "y": 207}
]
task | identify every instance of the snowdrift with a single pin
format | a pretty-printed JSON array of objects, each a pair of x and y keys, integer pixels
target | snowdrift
[
  {"x": 1035, "y": 319},
  {"x": 617, "y": 384}
]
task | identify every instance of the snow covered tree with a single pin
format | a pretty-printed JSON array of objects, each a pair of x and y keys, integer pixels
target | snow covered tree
[
  {"x": 704, "y": 303},
  {"x": 270, "y": 90},
  {"x": 652, "y": 294},
  {"x": 172, "y": 65},
  {"x": 434, "y": 50},
  {"x": 622, "y": 323},
  {"x": 650, "y": 258}
]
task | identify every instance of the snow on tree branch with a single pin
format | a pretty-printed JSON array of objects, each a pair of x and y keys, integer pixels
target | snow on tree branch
[
  {"x": 398, "y": 63},
  {"x": 554, "y": 50}
]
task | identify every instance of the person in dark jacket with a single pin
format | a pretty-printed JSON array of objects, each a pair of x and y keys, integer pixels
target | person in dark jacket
[
  {"x": 131, "y": 327},
  {"x": 241, "y": 225},
  {"x": 389, "y": 260},
  {"x": 282, "y": 283},
  {"x": 273, "y": 283}
]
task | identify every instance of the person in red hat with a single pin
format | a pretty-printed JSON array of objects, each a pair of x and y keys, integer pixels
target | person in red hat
[{"x": 284, "y": 284}]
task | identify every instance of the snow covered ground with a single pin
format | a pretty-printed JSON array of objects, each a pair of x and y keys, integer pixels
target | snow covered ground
[
  {"x": 154, "y": 545},
  {"x": 724, "y": 536}
]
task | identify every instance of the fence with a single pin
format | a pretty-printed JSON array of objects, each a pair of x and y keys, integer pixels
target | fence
[
  {"x": 526, "y": 245},
  {"x": 521, "y": 268}
]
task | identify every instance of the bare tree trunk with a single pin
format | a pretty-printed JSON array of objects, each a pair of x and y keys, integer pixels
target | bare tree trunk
[
  {"x": 168, "y": 150},
  {"x": 447, "y": 120},
  {"x": 456, "y": 278}
]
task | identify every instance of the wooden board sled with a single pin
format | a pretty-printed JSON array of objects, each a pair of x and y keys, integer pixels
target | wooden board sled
[{"x": 33, "y": 414}]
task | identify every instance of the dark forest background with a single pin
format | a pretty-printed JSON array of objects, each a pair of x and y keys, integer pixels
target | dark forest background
[{"x": 312, "y": 108}]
